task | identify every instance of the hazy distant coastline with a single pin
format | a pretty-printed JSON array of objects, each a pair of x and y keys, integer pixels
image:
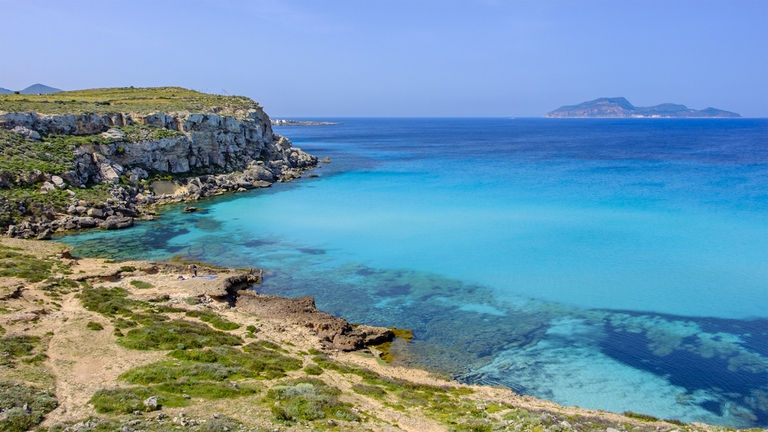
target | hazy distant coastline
[
  {"x": 283, "y": 122},
  {"x": 620, "y": 107}
]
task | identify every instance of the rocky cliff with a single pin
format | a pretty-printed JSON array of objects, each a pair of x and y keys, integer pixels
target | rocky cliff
[{"x": 145, "y": 158}]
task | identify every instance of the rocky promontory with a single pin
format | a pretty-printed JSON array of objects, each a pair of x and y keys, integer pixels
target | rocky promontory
[{"x": 100, "y": 158}]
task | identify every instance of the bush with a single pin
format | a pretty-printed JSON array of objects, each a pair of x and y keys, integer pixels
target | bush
[
  {"x": 13, "y": 397},
  {"x": 94, "y": 326},
  {"x": 109, "y": 302},
  {"x": 307, "y": 399},
  {"x": 13, "y": 347},
  {"x": 141, "y": 284},
  {"x": 128, "y": 400},
  {"x": 31, "y": 268},
  {"x": 369, "y": 390},
  {"x": 313, "y": 370},
  {"x": 214, "y": 319},
  {"x": 176, "y": 334}
]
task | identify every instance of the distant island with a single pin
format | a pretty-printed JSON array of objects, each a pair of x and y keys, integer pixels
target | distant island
[
  {"x": 282, "y": 122},
  {"x": 33, "y": 89},
  {"x": 620, "y": 107}
]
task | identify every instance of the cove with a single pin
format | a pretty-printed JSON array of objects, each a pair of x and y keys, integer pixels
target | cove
[{"x": 610, "y": 264}]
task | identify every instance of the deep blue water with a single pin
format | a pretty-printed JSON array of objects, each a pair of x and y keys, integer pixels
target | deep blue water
[{"x": 611, "y": 264}]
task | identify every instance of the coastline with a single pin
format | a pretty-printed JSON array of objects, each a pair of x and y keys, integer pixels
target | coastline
[{"x": 79, "y": 362}]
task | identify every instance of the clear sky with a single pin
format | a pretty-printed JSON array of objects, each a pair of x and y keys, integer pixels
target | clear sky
[{"x": 400, "y": 58}]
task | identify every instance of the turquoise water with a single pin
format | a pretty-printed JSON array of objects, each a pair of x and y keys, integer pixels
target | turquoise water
[{"x": 611, "y": 264}]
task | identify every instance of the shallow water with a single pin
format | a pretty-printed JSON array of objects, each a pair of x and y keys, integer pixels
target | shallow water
[{"x": 611, "y": 264}]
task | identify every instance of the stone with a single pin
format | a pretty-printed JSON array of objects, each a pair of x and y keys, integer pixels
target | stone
[
  {"x": 114, "y": 135},
  {"x": 47, "y": 187},
  {"x": 116, "y": 222},
  {"x": 58, "y": 181},
  {"x": 326, "y": 160},
  {"x": 96, "y": 212},
  {"x": 26, "y": 133},
  {"x": 151, "y": 402}
]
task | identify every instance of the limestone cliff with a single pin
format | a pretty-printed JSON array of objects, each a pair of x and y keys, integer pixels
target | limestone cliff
[
  {"x": 146, "y": 156},
  {"x": 193, "y": 142}
]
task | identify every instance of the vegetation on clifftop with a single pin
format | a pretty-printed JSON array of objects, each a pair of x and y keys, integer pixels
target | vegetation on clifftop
[{"x": 124, "y": 100}]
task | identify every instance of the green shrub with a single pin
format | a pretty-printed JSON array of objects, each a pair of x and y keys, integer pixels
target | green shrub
[
  {"x": 141, "y": 284},
  {"x": 94, "y": 326},
  {"x": 128, "y": 400},
  {"x": 192, "y": 301},
  {"x": 214, "y": 319},
  {"x": 171, "y": 371},
  {"x": 15, "y": 346},
  {"x": 128, "y": 269},
  {"x": 109, "y": 302},
  {"x": 14, "y": 396},
  {"x": 209, "y": 390},
  {"x": 31, "y": 268},
  {"x": 369, "y": 390},
  {"x": 307, "y": 399},
  {"x": 176, "y": 334},
  {"x": 642, "y": 417},
  {"x": 312, "y": 370}
]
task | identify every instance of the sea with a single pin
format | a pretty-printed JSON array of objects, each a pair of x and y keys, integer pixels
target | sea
[{"x": 611, "y": 264}]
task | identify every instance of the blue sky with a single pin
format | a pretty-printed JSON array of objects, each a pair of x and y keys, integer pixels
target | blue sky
[{"x": 400, "y": 58}]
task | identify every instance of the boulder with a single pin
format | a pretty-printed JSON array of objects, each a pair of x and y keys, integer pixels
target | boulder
[
  {"x": 27, "y": 133},
  {"x": 114, "y": 135},
  {"x": 116, "y": 222}
]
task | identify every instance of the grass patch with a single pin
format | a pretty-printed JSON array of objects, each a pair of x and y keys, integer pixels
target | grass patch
[
  {"x": 14, "y": 397},
  {"x": 141, "y": 284},
  {"x": 307, "y": 399},
  {"x": 15, "y": 347},
  {"x": 368, "y": 390},
  {"x": 313, "y": 370},
  {"x": 123, "y": 99},
  {"x": 213, "y": 319},
  {"x": 109, "y": 302},
  {"x": 209, "y": 390},
  {"x": 128, "y": 400},
  {"x": 23, "y": 266},
  {"x": 94, "y": 326},
  {"x": 176, "y": 334}
]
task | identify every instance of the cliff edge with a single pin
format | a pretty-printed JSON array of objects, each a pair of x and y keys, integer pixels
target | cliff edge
[{"x": 74, "y": 160}]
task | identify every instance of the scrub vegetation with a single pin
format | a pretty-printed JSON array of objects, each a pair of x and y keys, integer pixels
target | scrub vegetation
[
  {"x": 196, "y": 365},
  {"x": 122, "y": 99}
]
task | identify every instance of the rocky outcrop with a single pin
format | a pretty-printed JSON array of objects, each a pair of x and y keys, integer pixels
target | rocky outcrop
[
  {"x": 236, "y": 151},
  {"x": 334, "y": 332},
  {"x": 192, "y": 142}
]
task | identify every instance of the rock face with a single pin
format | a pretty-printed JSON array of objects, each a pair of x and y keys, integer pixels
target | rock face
[
  {"x": 202, "y": 142},
  {"x": 236, "y": 148}
]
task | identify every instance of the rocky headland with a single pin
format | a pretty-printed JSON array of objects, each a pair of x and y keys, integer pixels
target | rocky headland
[
  {"x": 619, "y": 107},
  {"x": 101, "y": 158}
]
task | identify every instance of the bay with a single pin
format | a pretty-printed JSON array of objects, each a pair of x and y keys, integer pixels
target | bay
[{"x": 610, "y": 264}]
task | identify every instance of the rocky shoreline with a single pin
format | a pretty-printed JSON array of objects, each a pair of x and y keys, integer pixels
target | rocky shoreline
[
  {"x": 146, "y": 161},
  {"x": 97, "y": 346}
]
